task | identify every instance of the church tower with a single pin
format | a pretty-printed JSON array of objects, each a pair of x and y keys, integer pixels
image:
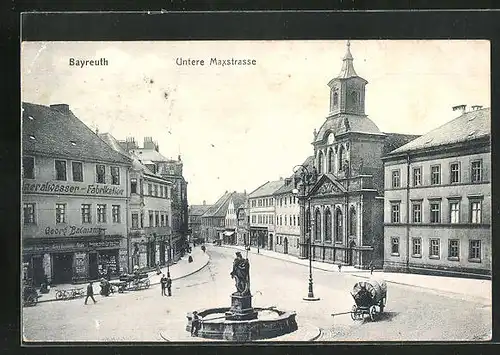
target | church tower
[{"x": 347, "y": 90}]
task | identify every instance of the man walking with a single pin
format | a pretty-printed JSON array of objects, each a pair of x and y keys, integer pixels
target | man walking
[
  {"x": 163, "y": 282},
  {"x": 169, "y": 285},
  {"x": 90, "y": 293}
]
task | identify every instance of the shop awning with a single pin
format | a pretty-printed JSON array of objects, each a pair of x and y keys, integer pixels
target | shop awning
[{"x": 228, "y": 233}]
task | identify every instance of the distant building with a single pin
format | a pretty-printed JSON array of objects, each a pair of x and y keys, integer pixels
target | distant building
[
  {"x": 347, "y": 199},
  {"x": 262, "y": 212},
  {"x": 213, "y": 221},
  {"x": 149, "y": 213},
  {"x": 194, "y": 223},
  {"x": 74, "y": 198},
  {"x": 243, "y": 225},
  {"x": 170, "y": 170},
  {"x": 438, "y": 200}
]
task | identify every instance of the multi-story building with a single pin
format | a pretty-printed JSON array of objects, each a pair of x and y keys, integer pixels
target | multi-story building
[
  {"x": 262, "y": 213},
  {"x": 230, "y": 235},
  {"x": 194, "y": 224},
  {"x": 213, "y": 221},
  {"x": 171, "y": 170},
  {"x": 243, "y": 225},
  {"x": 438, "y": 199},
  {"x": 74, "y": 194},
  {"x": 347, "y": 198},
  {"x": 288, "y": 215},
  {"x": 149, "y": 213}
]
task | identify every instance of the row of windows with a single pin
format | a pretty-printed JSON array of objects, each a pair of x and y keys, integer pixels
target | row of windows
[
  {"x": 262, "y": 218},
  {"x": 342, "y": 162},
  {"x": 293, "y": 220},
  {"x": 29, "y": 213},
  {"x": 262, "y": 202},
  {"x": 156, "y": 219},
  {"x": 280, "y": 240},
  {"x": 330, "y": 225},
  {"x": 475, "y": 209},
  {"x": 76, "y": 171},
  {"x": 155, "y": 190},
  {"x": 435, "y": 246},
  {"x": 476, "y": 169}
]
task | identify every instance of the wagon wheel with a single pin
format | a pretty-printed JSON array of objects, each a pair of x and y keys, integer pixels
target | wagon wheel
[
  {"x": 147, "y": 283},
  {"x": 382, "y": 305},
  {"x": 373, "y": 312},
  {"x": 354, "y": 312},
  {"x": 59, "y": 295}
]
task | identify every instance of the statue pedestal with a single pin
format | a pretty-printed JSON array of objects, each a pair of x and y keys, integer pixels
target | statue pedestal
[{"x": 241, "y": 308}]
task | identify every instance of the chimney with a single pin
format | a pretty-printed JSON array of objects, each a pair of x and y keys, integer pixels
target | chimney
[
  {"x": 63, "y": 108},
  {"x": 460, "y": 107},
  {"x": 149, "y": 144},
  {"x": 476, "y": 107}
]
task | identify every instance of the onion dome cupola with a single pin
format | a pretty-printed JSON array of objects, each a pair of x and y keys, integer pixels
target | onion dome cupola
[{"x": 347, "y": 90}]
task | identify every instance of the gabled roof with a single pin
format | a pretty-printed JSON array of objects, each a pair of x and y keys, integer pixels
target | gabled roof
[
  {"x": 198, "y": 210},
  {"x": 220, "y": 207},
  {"x": 396, "y": 140},
  {"x": 337, "y": 186},
  {"x": 343, "y": 123},
  {"x": 59, "y": 132},
  {"x": 470, "y": 125},
  {"x": 136, "y": 163},
  {"x": 308, "y": 163},
  {"x": 267, "y": 189},
  {"x": 239, "y": 199},
  {"x": 213, "y": 208},
  {"x": 149, "y": 154}
]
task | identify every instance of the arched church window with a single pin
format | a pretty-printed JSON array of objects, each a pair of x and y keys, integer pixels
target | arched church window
[
  {"x": 352, "y": 221},
  {"x": 328, "y": 225},
  {"x": 341, "y": 158},
  {"x": 354, "y": 97},
  {"x": 335, "y": 99},
  {"x": 317, "y": 225},
  {"x": 320, "y": 162},
  {"x": 330, "y": 160},
  {"x": 338, "y": 225}
]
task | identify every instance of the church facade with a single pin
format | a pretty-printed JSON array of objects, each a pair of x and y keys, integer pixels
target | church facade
[{"x": 346, "y": 205}]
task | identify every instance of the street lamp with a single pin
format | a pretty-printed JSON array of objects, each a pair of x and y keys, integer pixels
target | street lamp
[{"x": 305, "y": 179}]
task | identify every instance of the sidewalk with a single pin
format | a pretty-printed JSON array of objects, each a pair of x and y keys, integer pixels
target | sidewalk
[
  {"x": 463, "y": 286},
  {"x": 178, "y": 271}
]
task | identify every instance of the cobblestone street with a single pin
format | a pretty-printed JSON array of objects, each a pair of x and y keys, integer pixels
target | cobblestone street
[{"x": 412, "y": 313}]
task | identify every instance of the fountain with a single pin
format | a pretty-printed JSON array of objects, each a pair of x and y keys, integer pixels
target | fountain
[{"x": 241, "y": 321}]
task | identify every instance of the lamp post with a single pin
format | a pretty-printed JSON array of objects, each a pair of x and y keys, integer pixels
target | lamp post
[{"x": 305, "y": 179}]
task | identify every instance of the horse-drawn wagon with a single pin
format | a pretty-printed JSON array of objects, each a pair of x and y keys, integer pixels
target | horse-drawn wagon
[{"x": 370, "y": 298}]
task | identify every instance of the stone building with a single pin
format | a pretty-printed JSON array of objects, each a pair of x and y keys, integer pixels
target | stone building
[
  {"x": 262, "y": 213},
  {"x": 74, "y": 198},
  {"x": 213, "y": 222},
  {"x": 149, "y": 213},
  {"x": 288, "y": 215},
  {"x": 347, "y": 199},
  {"x": 171, "y": 170},
  {"x": 194, "y": 222},
  {"x": 438, "y": 200}
]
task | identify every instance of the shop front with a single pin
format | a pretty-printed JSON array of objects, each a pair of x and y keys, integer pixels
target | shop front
[
  {"x": 258, "y": 237},
  {"x": 229, "y": 237},
  {"x": 66, "y": 260}
]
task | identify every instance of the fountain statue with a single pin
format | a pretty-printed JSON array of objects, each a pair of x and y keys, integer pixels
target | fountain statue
[{"x": 241, "y": 300}]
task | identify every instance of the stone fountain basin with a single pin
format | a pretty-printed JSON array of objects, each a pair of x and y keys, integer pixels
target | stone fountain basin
[{"x": 270, "y": 323}]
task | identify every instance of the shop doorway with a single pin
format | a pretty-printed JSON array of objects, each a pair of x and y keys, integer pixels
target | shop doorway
[
  {"x": 63, "y": 268},
  {"x": 93, "y": 270},
  {"x": 285, "y": 246},
  {"x": 270, "y": 241},
  {"x": 162, "y": 253},
  {"x": 38, "y": 272},
  {"x": 108, "y": 263}
]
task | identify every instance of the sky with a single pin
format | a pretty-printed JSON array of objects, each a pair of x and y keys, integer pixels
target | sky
[{"x": 237, "y": 127}]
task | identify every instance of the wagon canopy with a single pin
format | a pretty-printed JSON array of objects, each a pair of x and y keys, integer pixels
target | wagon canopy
[{"x": 377, "y": 290}]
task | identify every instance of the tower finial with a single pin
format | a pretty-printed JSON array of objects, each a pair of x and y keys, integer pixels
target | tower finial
[
  {"x": 347, "y": 70},
  {"x": 348, "y": 44}
]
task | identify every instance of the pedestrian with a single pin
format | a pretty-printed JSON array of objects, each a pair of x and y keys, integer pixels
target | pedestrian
[
  {"x": 90, "y": 293},
  {"x": 371, "y": 268},
  {"x": 168, "y": 283},
  {"x": 195, "y": 324},
  {"x": 340, "y": 267},
  {"x": 108, "y": 274},
  {"x": 163, "y": 282}
]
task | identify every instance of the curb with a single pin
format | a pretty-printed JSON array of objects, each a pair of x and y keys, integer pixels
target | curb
[
  {"x": 355, "y": 274},
  {"x": 151, "y": 284}
]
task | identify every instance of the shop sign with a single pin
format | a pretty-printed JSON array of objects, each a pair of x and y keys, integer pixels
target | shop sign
[
  {"x": 53, "y": 247},
  {"x": 74, "y": 230},
  {"x": 104, "y": 244},
  {"x": 50, "y": 187}
]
